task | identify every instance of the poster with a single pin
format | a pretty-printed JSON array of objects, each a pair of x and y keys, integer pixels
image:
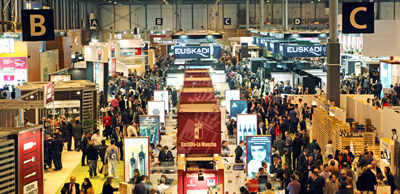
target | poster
[
  {"x": 238, "y": 107},
  {"x": 157, "y": 108},
  {"x": 191, "y": 184},
  {"x": 258, "y": 149},
  {"x": 245, "y": 125},
  {"x": 234, "y": 177},
  {"x": 60, "y": 78},
  {"x": 162, "y": 95},
  {"x": 136, "y": 156},
  {"x": 48, "y": 93},
  {"x": 231, "y": 95},
  {"x": 149, "y": 126},
  {"x": 217, "y": 189},
  {"x": 30, "y": 161}
]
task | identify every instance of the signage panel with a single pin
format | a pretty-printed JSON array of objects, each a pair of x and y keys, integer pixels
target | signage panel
[
  {"x": 48, "y": 93},
  {"x": 159, "y": 21},
  {"x": 246, "y": 125},
  {"x": 162, "y": 96},
  {"x": 258, "y": 150},
  {"x": 32, "y": 5},
  {"x": 55, "y": 78},
  {"x": 13, "y": 62},
  {"x": 192, "y": 52},
  {"x": 231, "y": 95},
  {"x": 136, "y": 154},
  {"x": 358, "y": 17},
  {"x": 30, "y": 161},
  {"x": 238, "y": 107},
  {"x": 273, "y": 46},
  {"x": 227, "y": 21},
  {"x": 193, "y": 185},
  {"x": 157, "y": 108},
  {"x": 297, "y": 21},
  {"x": 94, "y": 23},
  {"x": 302, "y": 50},
  {"x": 8, "y": 78},
  {"x": 234, "y": 177},
  {"x": 37, "y": 25},
  {"x": 6, "y": 45},
  {"x": 149, "y": 126}
]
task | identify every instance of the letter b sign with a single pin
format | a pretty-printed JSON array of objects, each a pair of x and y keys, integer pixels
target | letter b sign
[{"x": 37, "y": 25}]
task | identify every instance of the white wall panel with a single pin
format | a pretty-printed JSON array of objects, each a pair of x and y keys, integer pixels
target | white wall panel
[
  {"x": 186, "y": 17},
  {"x": 397, "y": 10},
  {"x": 386, "y": 10},
  {"x": 200, "y": 16}
]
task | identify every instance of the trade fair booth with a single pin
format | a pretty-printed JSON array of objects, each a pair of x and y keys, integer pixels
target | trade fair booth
[
  {"x": 197, "y": 73},
  {"x": 198, "y": 93},
  {"x": 197, "y": 81}
]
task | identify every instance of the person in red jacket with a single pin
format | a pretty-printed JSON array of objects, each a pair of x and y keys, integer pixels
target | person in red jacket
[{"x": 107, "y": 126}]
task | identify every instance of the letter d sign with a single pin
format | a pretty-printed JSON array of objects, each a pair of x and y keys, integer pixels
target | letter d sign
[
  {"x": 37, "y": 25},
  {"x": 358, "y": 18}
]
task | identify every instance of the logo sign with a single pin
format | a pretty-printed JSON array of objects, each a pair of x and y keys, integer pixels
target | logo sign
[
  {"x": 191, "y": 52},
  {"x": 227, "y": 21},
  {"x": 48, "y": 93},
  {"x": 94, "y": 22},
  {"x": 8, "y": 77},
  {"x": 159, "y": 21},
  {"x": 303, "y": 50},
  {"x": 297, "y": 21},
  {"x": 358, "y": 17},
  {"x": 99, "y": 53},
  {"x": 112, "y": 49},
  {"x": 37, "y": 25},
  {"x": 13, "y": 62}
]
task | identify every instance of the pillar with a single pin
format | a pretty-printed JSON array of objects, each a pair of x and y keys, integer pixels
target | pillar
[
  {"x": 247, "y": 14},
  {"x": 284, "y": 15},
  {"x": 333, "y": 52},
  {"x": 262, "y": 14}
]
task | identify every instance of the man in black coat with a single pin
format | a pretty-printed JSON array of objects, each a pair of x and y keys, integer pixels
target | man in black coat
[
  {"x": 71, "y": 187},
  {"x": 126, "y": 120},
  {"x": 378, "y": 89},
  {"x": 56, "y": 147},
  {"x": 84, "y": 146},
  {"x": 162, "y": 156},
  {"x": 174, "y": 97},
  {"x": 317, "y": 185},
  {"x": 118, "y": 136},
  {"x": 297, "y": 145},
  {"x": 114, "y": 121},
  {"x": 239, "y": 152},
  {"x": 261, "y": 130},
  {"x": 285, "y": 127},
  {"x": 121, "y": 104},
  {"x": 78, "y": 132},
  {"x": 70, "y": 132},
  {"x": 142, "y": 187},
  {"x": 303, "y": 157},
  {"x": 368, "y": 180}
]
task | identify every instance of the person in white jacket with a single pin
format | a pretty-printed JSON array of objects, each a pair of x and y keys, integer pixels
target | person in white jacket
[
  {"x": 255, "y": 93},
  {"x": 112, "y": 156}
]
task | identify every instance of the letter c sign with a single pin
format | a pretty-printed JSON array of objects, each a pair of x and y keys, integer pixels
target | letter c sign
[
  {"x": 37, "y": 25},
  {"x": 358, "y": 17}
]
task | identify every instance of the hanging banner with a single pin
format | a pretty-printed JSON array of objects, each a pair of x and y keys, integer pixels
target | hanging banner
[
  {"x": 234, "y": 177},
  {"x": 302, "y": 50},
  {"x": 48, "y": 93},
  {"x": 149, "y": 126},
  {"x": 258, "y": 150},
  {"x": 136, "y": 154},
  {"x": 245, "y": 125},
  {"x": 192, "y": 52},
  {"x": 231, "y": 95},
  {"x": 238, "y": 107}
]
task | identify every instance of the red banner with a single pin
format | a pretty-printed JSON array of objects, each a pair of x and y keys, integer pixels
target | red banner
[
  {"x": 191, "y": 184},
  {"x": 198, "y": 83},
  {"x": 197, "y": 74},
  {"x": 198, "y": 96},
  {"x": 113, "y": 66},
  {"x": 13, "y": 62},
  {"x": 30, "y": 162},
  {"x": 199, "y": 133},
  {"x": 8, "y": 77},
  {"x": 48, "y": 93}
]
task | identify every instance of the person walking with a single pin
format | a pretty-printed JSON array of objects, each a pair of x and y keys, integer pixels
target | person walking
[
  {"x": 56, "y": 149},
  {"x": 78, "y": 132},
  {"x": 102, "y": 153},
  {"x": 70, "y": 133},
  {"x": 96, "y": 138},
  {"x": 297, "y": 146},
  {"x": 93, "y": 155},
  {"x": 107, "y": 124},
  {"x": 118, "y": 137},
  {"x": 288, "y": 149},
  {"x": 84, "y": 146},
  {"x": 112, "y": 155}
]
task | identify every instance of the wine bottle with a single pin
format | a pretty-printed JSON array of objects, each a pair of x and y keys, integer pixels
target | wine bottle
[
  {"x": 254, "y": 129},
  {"x": 244, "y": 131},
  {"x": 133, "y": 165},
  {"x": 29, "y": 145},
  {"x": 249, "y": 132},
  {"x": 142, "y": 161}
]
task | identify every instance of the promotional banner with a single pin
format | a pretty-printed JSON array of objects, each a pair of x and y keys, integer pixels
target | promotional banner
[
  {"x": 238, "y": 107},
  {"x": 60, "y": 78},
  {"x": 193, "y": 186},
  {"x": 30, "y": 161},
  {"x": 231, "y": 95},
  {"x": 199, "y": 133},
  {"x": 157, "y": 108},
  {"x": 162, "y": 95},
  {"x": 149, "y": 126},
  {"x": 48, "y": 93},
  {"x": 13, "y": 62},
  {"x": 6, "y": 45},
  {"x": 234, "y": 177},
  {"x": 302, "y": 50},
  {"x": 245, "y": 125},
  {"x": 217, "y": 189},
  {"x": 192, "y": 52},
  {"x": 258, "y": 150},
  {"x": 8, "y": 78},
  {"x": 112, "y": 67},
  {"x": 136, "y": 154}
]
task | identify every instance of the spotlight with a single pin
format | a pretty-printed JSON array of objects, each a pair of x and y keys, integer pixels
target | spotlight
[
  {"x": 32, "y": 96},
  {"x": 163, "y": 32},
  {"x": 78, "y": 92},
  {"x": 151, "y": 32}
]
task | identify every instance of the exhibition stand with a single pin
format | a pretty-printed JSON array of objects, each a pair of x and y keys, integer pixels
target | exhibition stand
[
  {"x": 387, "y": 153},
  {"x": 194, "y": 94},
  {"x": 197, "y": 73},
  {"x": 197, "y": 81}
]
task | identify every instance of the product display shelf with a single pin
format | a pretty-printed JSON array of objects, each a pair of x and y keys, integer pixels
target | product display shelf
[
  {"x": 329, "y": 132},
  {"x": 356, "y": 144},
  {"x": 369, "y": 138},
  {"x": 339, "y": 128},
  {"x": 318, "y": 125}
]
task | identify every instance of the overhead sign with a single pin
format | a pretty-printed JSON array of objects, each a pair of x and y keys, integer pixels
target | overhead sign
[
  {"x": 302, "y": 50},
  {"x": 48, "y": 93},
  {"x": 358, "y": 17},
  {"x": 227, "y": 21},
  {"x": 6, "y": 45},
  {"x": 192, "y": 52},
  {"x": 273, "y": 46},
  {"x": 94, "y": 22},
  {"x": 159, "y": 21},
  {"x": 32, "y": 5},
  {"x": 13, "y": 62},
  {"x": 37, "y": 25},
  {"x": 297, "y": 21}
]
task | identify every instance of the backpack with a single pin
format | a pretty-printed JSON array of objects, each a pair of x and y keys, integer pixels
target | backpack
[{"x": 113, "y": 155}]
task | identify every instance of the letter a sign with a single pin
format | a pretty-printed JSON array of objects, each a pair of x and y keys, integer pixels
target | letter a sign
[
  {"x": 37, "y": 25},
  {"x": 358, "y": 17}
]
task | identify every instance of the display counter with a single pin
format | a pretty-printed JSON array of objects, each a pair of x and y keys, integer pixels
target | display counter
[
  {"x": 197, "y": 73},
  {"x": 387, "y": 153},
  {"x": 198, "y": 94},
  {"x": 197, "y": 81}
]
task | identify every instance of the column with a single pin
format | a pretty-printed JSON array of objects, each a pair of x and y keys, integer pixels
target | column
[
  {"x": 333, "y": 52},
  {"x": 262, "y": 14},
  {"x": 284, "y": 15},
  {"x": 247, "y": 14}
]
